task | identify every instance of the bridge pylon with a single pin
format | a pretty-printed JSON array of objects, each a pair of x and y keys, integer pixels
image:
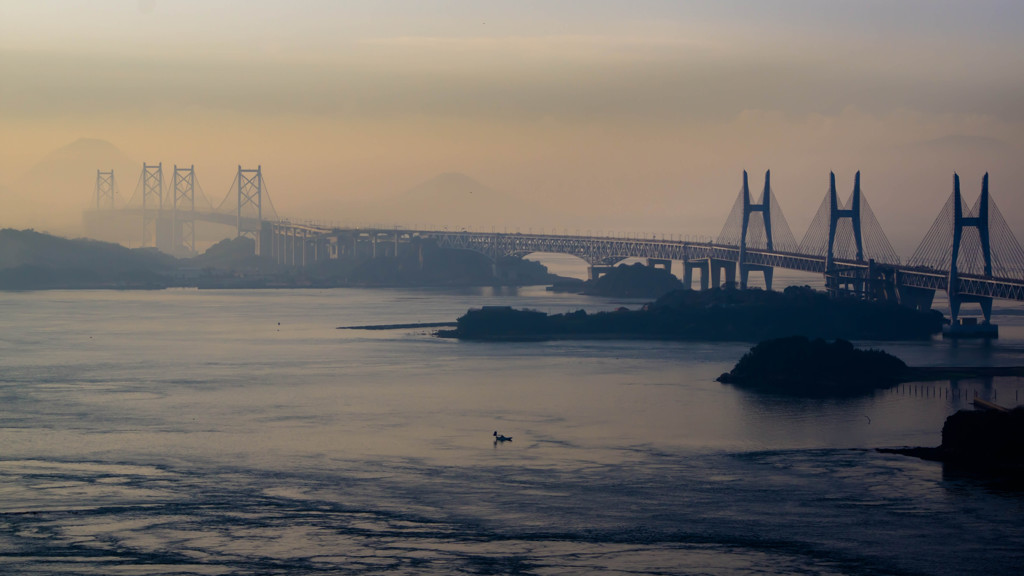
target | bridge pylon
[
  {"x": 835, "y": 214},
  {"x": 764, "y": 209},
  {"x": 105, "y": 190},
  {"x": 980, "y": 223},
  {"x": 754, "y": 229},
  {"x": 183, "y": 223},
  {"x": 152, "y": 202},
  {"x": 250, "y": 197}
]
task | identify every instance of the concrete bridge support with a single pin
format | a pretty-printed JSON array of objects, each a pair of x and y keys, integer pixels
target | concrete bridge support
[
  {"x": 918, "y": 298},
  {"x": 745, "y": 269},
  {"x": 598, "y": 271},
  {"x": 880, "y": 284},
  {"x": 660, "y": 263},
  {"x": 703, "y": 266},
  {"x": 717, "y": 267},
  {"x": 162, "y": 226},
  {"x": 984, "y": 301},
  {"x": 267, "y": 240},
  {"x": 711, "y": 271},
  {"x": 277, "y": 243}
]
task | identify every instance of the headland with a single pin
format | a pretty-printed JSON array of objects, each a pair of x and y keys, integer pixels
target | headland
[{"x": 987, "y": 441}]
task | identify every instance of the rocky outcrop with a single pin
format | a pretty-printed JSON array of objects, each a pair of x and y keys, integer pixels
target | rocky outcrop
[
  {"x": 978, "y": 440},
  {"x": 801, "y": 366}
]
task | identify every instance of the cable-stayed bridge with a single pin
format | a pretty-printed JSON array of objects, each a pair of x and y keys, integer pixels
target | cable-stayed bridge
[{"x": 969, "y": 252}]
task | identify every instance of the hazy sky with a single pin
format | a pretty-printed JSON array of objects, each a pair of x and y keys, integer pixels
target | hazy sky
[{"x": 633, "y": 115}]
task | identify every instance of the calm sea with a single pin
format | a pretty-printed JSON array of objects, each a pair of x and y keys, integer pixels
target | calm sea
[{"x": 239, "y": 432}]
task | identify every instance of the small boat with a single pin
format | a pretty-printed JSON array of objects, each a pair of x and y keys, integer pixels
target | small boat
[{"x": 501, "y": 437}]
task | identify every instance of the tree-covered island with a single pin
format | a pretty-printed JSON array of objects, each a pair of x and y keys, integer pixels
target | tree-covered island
[{"x": 718, "y": 314}]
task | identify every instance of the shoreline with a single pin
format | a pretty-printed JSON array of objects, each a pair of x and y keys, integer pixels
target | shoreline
[
  {"x": 398, "y": 326},
  {"x": 931, "y": 373}
]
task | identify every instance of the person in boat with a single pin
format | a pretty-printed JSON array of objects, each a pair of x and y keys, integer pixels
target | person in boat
[{"x": 501, "y": 437}]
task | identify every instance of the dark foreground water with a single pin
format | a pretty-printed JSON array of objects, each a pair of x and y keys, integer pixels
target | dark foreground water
[{"x": 188, "y": 432}]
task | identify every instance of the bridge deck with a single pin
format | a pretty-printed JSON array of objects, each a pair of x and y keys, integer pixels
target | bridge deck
[{"x": 605, "y": 250}]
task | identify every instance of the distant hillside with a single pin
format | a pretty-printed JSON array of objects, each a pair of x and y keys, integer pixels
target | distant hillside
[
  {"x": 32, "y": 260},
  {"x": 232, "y": 254},
  {"x": 52, "y": 194},
  {"x": 451, "y": 199}
]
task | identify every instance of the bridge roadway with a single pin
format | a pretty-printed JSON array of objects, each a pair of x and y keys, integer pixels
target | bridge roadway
[
  {"x": 601, "y": 251},
  {"x": 224, "y": 218}
]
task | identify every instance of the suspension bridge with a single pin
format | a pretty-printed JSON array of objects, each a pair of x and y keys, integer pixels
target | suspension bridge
[
  {"x": 168, "y": 210},
  {"x": 969, "y": 252}
]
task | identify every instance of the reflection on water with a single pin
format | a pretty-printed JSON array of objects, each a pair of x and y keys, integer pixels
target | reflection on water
[{"x": 239, "y": 432}]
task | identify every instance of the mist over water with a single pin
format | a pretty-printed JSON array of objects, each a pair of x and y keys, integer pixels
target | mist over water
[
  {"x": 239, "y": 432},
  {"x": 190, "y": 432}
]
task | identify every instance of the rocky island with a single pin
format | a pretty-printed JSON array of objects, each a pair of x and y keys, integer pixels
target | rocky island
[
  {"x": 719, "y": 314},
  {"x": 801, "y": 366}
]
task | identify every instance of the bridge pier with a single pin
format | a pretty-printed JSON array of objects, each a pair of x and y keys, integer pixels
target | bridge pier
[
  {"x": 660, "y": 263},
  {"x": 689, "y": 266},
  {"x": 918, "y": 298},
  {"x": 279, "y": 244},
  {"x": 162, "y": 224},
  {"x": 956, "y": 299},
  {"x": 745, "y": 269},
  {"x": 596, "y": 272},
  {"x": 845, "y": 280},
  {"x": 717, "y": 267},
  {"x": 881, "y": 284},
  {"x": 303, "y": 241},
  {"x": 265, "y": 241}
]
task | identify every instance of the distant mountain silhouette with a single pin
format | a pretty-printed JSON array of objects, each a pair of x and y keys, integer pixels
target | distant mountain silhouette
[
  {"x": 453, "y": 185},
  {"x": 452, "y": 199},
  {"x": 53, "y": 193}
]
